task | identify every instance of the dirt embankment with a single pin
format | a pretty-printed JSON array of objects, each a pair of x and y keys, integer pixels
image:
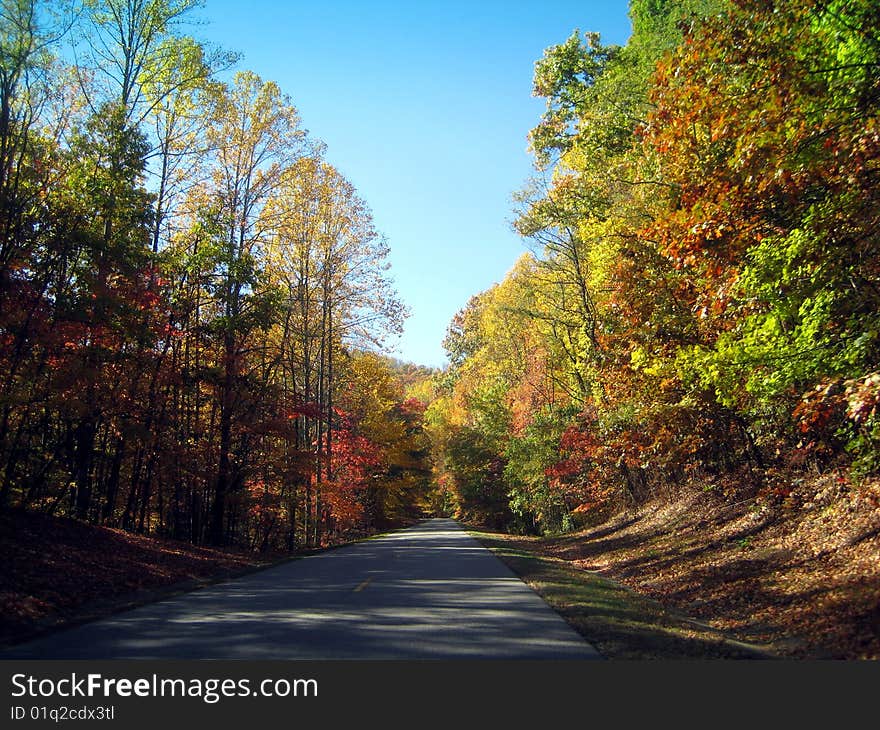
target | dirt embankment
[
  {"x": 799, "y": 573},
  {"x": 57, "y": 571}
]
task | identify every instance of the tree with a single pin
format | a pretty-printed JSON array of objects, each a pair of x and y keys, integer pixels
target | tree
[
  {"x": 774, "y": 112},
  {"x": 255, "y": 133}
]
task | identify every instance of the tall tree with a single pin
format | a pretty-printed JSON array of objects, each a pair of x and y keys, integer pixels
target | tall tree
[{"x": 255, "y": 135}]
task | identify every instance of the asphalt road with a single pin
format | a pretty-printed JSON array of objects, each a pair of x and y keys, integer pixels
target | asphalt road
[{"x": 426, "y": 592}]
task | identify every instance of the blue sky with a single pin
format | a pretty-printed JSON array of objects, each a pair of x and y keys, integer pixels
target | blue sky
[{"x": 424, "y": 107}]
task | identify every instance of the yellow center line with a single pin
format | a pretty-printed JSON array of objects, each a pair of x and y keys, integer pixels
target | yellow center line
[{"x": 364, "y": 584}]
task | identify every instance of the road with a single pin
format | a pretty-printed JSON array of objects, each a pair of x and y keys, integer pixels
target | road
[{"x": 427, "y": 592}]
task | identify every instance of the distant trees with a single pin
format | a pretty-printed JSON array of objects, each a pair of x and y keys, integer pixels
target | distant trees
[
  {"x": 702, "y": 295},
  {"x": 186, "y": 288}
]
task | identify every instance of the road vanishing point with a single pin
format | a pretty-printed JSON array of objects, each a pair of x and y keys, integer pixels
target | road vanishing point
[{"x": 430, "y": 591}]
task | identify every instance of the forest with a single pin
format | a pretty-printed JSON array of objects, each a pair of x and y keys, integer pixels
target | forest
[
  {"x": 699, "y": 304},
  {"x": 191, "y": 295}
]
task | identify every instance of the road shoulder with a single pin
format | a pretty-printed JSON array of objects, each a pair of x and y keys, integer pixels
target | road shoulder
[{"x": 621, "y": 624}]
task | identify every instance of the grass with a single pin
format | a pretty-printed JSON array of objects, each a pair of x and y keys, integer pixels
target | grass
[{"x": 621, "y": 624}]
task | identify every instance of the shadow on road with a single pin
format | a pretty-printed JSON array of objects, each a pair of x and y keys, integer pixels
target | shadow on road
[{"x": 429, "y": 591}]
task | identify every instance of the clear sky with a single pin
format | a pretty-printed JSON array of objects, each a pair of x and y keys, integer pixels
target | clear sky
[{"x": 424, "y": 107}]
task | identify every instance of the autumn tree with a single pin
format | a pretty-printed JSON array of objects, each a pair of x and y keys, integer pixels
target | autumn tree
[
  {"x": 330, "y": 264},
  {"x": 701, "y": 295},
  {"x": 776, "y": 230},
  {"x": 186, "y": 283}
]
